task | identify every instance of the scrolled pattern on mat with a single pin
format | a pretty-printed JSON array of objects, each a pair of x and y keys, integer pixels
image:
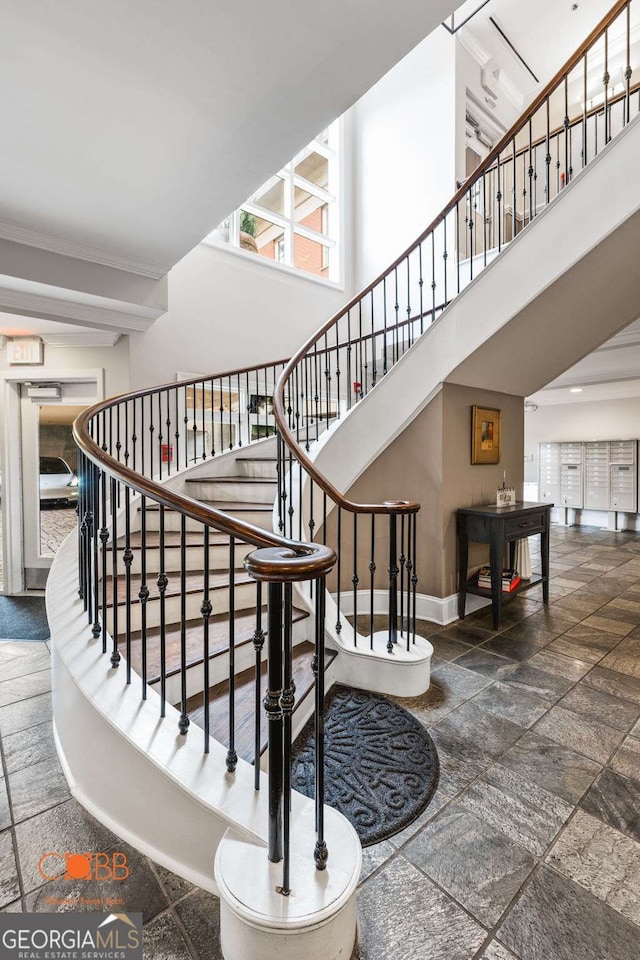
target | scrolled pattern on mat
[{"x": 381, "y": 765}]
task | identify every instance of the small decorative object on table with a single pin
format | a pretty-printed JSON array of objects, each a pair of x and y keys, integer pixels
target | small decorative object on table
[{"x": 506, "y": 496}]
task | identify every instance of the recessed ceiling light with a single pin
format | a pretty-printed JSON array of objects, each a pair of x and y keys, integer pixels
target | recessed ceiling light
[
  {"x": 575, "y": 390},
  {"x": 574, "y": 6}
]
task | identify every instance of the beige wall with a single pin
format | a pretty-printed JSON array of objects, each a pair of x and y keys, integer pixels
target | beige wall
[{"x": 430, "y": 462}]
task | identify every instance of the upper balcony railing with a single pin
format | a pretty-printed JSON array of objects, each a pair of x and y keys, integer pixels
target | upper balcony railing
[{"x": 564, "y": 129}]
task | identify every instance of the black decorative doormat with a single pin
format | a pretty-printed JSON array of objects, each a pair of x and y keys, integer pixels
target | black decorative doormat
[
  {"x": 23, "y": 618},
  {"x": 381, "y": 765}
]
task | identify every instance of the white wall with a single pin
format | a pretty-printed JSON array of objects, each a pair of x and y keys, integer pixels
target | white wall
[
  {"x": 113, "y": 360},
  {"x": 228, "y": 311},
  {"x": 585, "y": 420},
  {"x": 404, "y": 152}
]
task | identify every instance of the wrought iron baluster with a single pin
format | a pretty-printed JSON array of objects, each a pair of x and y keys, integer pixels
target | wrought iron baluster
[
  {"x": 232, "y": 756},
  {"x": 372, "y": 574},
  {"x": 183, "y": 722},
  {"x": 115, "y": 653},
  {"x": 258, "y": 644},
  {"x": 287, "y": 704},
  {"x": 393, "y": 582},
  {"x": 206, "y": 610},
  {"x": 321, "y": 854}
]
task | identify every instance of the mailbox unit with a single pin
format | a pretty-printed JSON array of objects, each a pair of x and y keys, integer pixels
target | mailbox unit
[{"x": 596, "y": 475}]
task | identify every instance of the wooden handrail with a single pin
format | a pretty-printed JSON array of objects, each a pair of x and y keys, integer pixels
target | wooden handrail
[{"x": 279, "y": 407}]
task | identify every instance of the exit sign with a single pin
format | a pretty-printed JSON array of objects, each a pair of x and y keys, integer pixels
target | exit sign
[{"x": 29, "y": 351}]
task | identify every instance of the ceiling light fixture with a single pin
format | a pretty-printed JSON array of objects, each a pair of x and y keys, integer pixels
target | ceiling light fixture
[{"x": 575, "y": 390}]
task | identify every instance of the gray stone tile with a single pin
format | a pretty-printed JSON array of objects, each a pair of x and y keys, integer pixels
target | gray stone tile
[
  {"x": 21, "y": 688},
  {"x": 457, "y": 769},
  {"x": 28, "y": 746},
  {"x": 589, "y": 737},
  {"x": 485, "y": 663},
  {"x": 430, "y": 707},
  {"x": 436, "y": 804},
  {"x": 28, "y": 713},
  {"x": 9, "y": 887},
  {"x": 601, "y": 860},
  {"x": 65, "y": 827},
  {"x": 531, "y": 630},
  {"x": 608, "y": 625},
  {"x": 580, "y": 601},
  {"x": 467, "y": 632},
  {"x": 615, "y": 800},
  {"x": 555, "y": 919},
  {"x": 446, "y": 648},
  {"x": 418, "y": 921},
  {"x": 5, "y": 813},
  {"x": 621, "y": 611},
  {"x": 20, "y": 658},
  {"x": 458, "y": 682},
  {"x": 37, "y": 788},
  {"x": 618, "y": 684},
  {"x": 162, "y": 940},
  {"x": 200, "y": 916},
  {"x": 592, "y": 644},
  {"x": 625, "y": 658},
  {"x": 374, "y": 856},
  {"x": 597, "y": 705},
  {"x": 528, "y": 679},
  {"x": 521, "y": 706},
  {"x": 472, "y": 733},
  {"x": 552, "y": 662},
  {"x": 522, "y": 810},
  {"x": 495, "y": 951},
  {"x": 513, "y": 648},
  {"x": 15, "y": 907},
  {"x": 556, "y": 768},
  {"x": 173, "y": 885},
  {"x": 475, "y": 863},
  {"x": 139, "y": 892}
]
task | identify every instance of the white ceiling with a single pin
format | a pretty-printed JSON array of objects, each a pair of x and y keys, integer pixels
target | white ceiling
[
  {"x": 135, "y": 127},
  {"x": 54, "y": 333},
  {"x": 545, "y": 34}
]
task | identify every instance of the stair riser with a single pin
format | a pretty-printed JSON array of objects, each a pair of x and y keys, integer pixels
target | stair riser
[
  {"x": 227, "y": 490},
  {"x": 245, "y": 599},
  {"x": 259, "y": 518},
  {"x": 218, "y": 559},
  {"x": 257, "y": 470},
  {"x": 219, "y": 666}
]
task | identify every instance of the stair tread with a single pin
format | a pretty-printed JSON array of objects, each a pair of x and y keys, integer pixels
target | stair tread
[
  {"x": 172, "y": 539},
  {"x": 232, "y": 479},
  {"x": 245, "y": 701},
  {"x": 218, "y": 641},
  {"x": 194, "y": 584},
  {"x": 223, "y": 505}
]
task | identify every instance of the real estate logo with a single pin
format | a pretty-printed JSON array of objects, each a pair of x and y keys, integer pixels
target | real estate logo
[
  {"x": 71, "y": 936},
  {"x": 83, "y": 866}
]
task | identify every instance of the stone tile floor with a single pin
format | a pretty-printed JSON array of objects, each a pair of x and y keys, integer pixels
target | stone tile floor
[{"x": 530, "y": 849}]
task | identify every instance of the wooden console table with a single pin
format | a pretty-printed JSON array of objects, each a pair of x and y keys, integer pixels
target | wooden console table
[{"x": 498, "y": 526}]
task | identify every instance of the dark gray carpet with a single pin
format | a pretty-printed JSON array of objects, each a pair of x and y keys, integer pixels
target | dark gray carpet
[
  {"x": 381, "y": 765},
  {"x": 23, "y": 618}
]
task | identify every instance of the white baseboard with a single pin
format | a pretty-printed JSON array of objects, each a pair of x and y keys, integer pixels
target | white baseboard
[{"x": 440, "y": 610}]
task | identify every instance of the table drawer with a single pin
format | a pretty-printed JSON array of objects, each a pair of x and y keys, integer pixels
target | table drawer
[{"x": 525, "y": 525}]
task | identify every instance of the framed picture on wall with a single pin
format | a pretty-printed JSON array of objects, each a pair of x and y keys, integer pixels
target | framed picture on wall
[{"x": 485, "y": 435}]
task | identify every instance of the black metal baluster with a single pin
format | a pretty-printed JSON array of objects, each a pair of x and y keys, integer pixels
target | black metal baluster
[
  {"x": 547, "y": 159},
  {"x": 396, "y": 308},
  {"x": 372, "y": 573},
  {"x": 403, "y": 560},
  {"x": 183, "y": 722},
  {"x": 177, "y": 433},
  {"x": 355, "y": 579},
  {"x": 127, "y": 558},
  {"x": 206, "y": 610},
  {"x": 287, "y": 704},
  {"x": 185, "y": 420},
  {"x": 414, "y": 572},
  {"x": 339, "y": 572},
  {"x": 420, "y": 286},
  {"x": 258, "y": 644},
  {"x": 584, "y": 114},
  {"x": 232, "y": 756},
  {"x": 143, "y": 594},
  {"x": 97, "y": 478},
  {"x": 115, "y": 653},
  {"x": 605, "y": 80},
  {"x": 321, "y": 854},
  {"x": 628, "y": 69},
  {"x": 273, "y": 709},
  {"x": 458, "y": 245},
  {"x": 499, "y": 199},
  {"x": 393, "y": 582},
  {"x": 104, "y": 539},
  {"x": 349, "y": 368},
  {"x": 409, "y": 568},
  {"x": 159, "y": 437},
  {"x": 163, "y": 582}
]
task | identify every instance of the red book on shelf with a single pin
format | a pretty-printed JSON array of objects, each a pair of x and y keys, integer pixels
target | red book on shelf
[{"x": 511, "y": 586}]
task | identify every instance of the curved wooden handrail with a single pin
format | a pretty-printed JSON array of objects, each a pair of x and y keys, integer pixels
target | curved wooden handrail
[
  {"x": 487, "y": 164},
  {"x": 287, "y": 559}
]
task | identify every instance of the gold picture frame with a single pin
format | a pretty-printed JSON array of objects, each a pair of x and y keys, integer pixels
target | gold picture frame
[{"x": 485, "y": 435}]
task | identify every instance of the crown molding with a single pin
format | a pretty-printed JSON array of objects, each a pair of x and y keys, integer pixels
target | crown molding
[
  {"x": 473, "y": 47},
  {"x": 73, "y": 311},
  {"x": 92, "y": 338},
  {"x": 81, "y": 251}
]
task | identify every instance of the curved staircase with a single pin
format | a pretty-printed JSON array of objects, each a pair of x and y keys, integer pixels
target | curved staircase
[{"x": 218, "y": 574}]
